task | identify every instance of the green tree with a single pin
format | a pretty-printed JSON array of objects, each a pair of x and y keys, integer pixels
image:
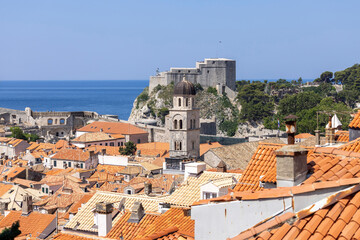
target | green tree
[
  {"x": 162, "y": 113},
  {"x": 255, "y": 103},
  {"x": 129, "y": 149},
  {"x": 16, "y": 132},
  {"x": 11, "y": 233},
  {"x": 212, "y": 90},
  {"x": 326, "y": 77},
  {"x": 293, "y": 104}
]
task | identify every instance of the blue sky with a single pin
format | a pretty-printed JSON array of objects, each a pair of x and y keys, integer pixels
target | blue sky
[{"x": 125, "y": 40}]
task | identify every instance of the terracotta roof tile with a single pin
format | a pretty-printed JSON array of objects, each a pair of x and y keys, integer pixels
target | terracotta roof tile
[
  {"x": 263, "y": 163},
  {"x": 304, "y": 135},
  {"x": 337, "y": 221},
  {"x": 130, "y": 230},
  {"x": 342, "y": 136},
  {"x": 112, "y": 127},
  {"x": 34, "y": 224},
  {"x": 72, "y": 154},
  {"x": 355, "y": 123},
  {"x": 96, "y": 137},
  {"x": 175, "y": 217}
]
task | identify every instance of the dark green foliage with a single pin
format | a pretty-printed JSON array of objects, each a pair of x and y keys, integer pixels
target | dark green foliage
[
  {"x": 348, "y": 77},
  {"x": 255, "y": 103},
  {"x": 157, "y": 88},
  {"x": 230, "y": 127},
  {"x": 11, "y": 233},
  {"x": 212, "y": 90},
  {"x": 16, "y": 132},
  {"x": 293, "y": 104},
  {"x": 162, "y": 113},
  {"x": 129, "y": 149},
  {"x": 198, "y": 87},
  {"x": 143, "y": 97}
]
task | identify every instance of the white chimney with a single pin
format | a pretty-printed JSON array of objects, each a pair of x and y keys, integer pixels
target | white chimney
[
  {"x": 194, "y": 169},
  {"x": 104, "y": 218}
]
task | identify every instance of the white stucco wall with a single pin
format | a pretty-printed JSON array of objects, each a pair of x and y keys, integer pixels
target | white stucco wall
[
  {"x": 113, "y": 160},
  {"x": 226, "y": 220}
]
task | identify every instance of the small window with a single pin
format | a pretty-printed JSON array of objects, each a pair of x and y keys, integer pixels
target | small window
[
  {"x": 128, "y": 192},
  {"x": 112, "y": 144},
  {"x": 194, "y": 123},
  {"x": 180, "y": 146},
  {"x": 106, "y": 144},
  {"x": 180, "y": 124},
  {"x": 69, "y": 164},
  {"x": 179, "y": 70},
  {"x": 100, "y": 144},
  {"x": 188, "y": 71},
  {"x": 122, "y": 144},
  {"x": 193, "y": 145},
  {"x": 54, "y": 163},
  {"x": 50, "y": 121},
  {"x": 43, "y": 189},
  {"x": 138, "y": 141},
  {"x": 118, "y": 144},
  {"x": 62, "y": 121},
  {"x": 81, "y": 165},
  {"x": 187, "y": 102},
  {"x": 179, "y": 102},
  {"x": 57, "y": 134},
  {"x": 47, "y": 190},
  {"x": 62, "y": 133},
  {"x": 175, "y": 124}
]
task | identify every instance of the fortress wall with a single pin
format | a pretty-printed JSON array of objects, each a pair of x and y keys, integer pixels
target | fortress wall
[{"x": 208, "y": 73}]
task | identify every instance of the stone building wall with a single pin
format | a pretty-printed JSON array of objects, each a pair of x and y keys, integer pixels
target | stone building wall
[{"x": 208, "y": 73}]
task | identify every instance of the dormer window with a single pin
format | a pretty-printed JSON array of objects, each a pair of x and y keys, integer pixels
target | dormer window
[{"x": 208, "y": 195}]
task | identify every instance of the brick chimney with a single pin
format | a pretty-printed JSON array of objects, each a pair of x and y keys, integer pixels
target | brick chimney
[
  {"x": 104, "y": 217},
  {"x": 137, "y": 213},
  {"x": 291, "y": 165},
  {"x": 27, "y": 205}
]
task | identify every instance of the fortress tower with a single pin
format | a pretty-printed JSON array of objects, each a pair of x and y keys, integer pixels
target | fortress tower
[
  {"x": 212, "y": 72},
  {"x": 185, "y": 126}
]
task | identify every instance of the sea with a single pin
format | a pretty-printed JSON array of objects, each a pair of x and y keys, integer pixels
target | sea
[{"x": 101, "y": 96}]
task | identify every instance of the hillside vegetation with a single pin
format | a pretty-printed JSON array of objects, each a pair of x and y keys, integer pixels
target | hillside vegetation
[{"x": 264, "y": 103}]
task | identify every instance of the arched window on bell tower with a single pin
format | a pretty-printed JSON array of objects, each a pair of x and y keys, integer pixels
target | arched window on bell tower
[
  {"x": 175, "y": 124},
  {"x": 179, "y": 102},
  {"x": 180, "y": 124}
]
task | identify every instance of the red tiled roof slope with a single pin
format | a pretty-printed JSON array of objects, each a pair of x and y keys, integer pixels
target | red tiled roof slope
[
  {"x": 33, "y": 224},
  {"x": 112, "y": 127},
  {"x": 72, "y": 154},
  {"x": 175, "y": 217},
  {"x": 129, "y": 230},
  {"x": 338, "y": 221},
  {"x": 262, "y": 163},
  {"x": 355, "y": 123},
  {"x": 342, "y": 136}
]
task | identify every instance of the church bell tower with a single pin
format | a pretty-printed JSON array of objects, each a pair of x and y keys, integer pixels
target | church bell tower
[{"x": 184, "y": 125}]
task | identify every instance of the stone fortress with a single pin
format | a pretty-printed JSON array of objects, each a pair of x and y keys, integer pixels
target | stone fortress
[
  {"x": 50, "y": 125},
  {"x": 212, "y": 72}
]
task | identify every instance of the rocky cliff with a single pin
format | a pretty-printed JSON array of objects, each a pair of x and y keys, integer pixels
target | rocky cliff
[{"x": 154, "y": 106}]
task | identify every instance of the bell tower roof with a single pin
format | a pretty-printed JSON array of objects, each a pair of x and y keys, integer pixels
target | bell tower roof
[{"x": 184, "y": 88}]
